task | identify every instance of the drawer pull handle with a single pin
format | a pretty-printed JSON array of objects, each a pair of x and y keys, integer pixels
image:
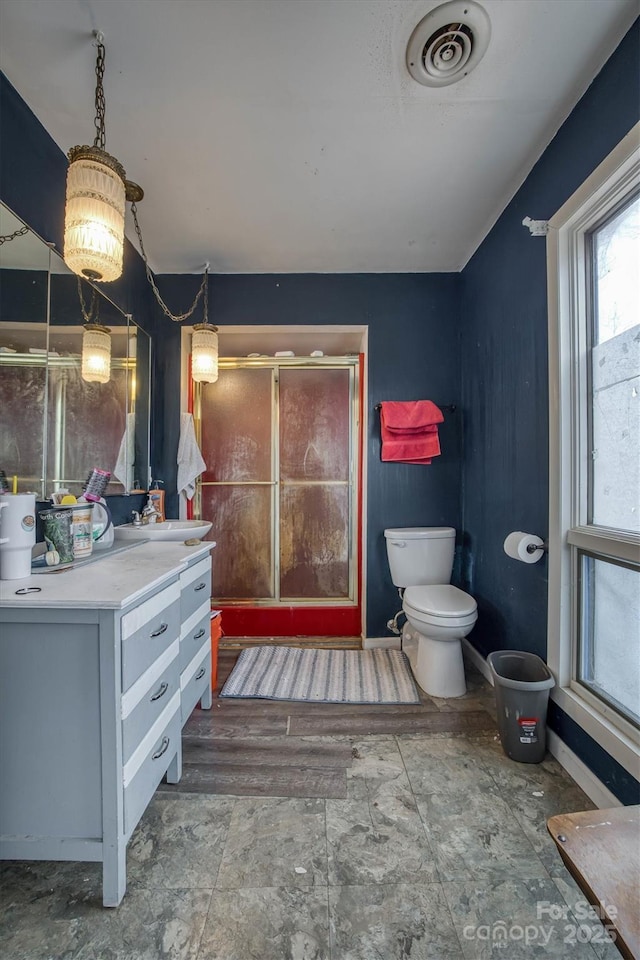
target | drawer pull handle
[
  {"x": 160, "y": 692},
  {"x": 200, "y": 586},
  {"x": 164, "y": 746},
  {"x": 199, "y": 634},
  {"x": 161, "y": 629},
  {"x": 200, "y": 674}
]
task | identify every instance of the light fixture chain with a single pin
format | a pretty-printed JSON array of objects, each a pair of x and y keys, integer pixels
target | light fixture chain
[
  {"x": 12, "y": 236},
  {"x": 204, "y": 286},
  {"x": 89, "y": 315},
  {"x": 101, "y": 105}
]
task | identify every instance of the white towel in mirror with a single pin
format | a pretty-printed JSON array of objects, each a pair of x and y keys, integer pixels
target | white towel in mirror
[{"x": 123, "y": 470}]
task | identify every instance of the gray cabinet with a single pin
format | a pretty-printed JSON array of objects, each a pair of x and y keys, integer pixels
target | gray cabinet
[
  {"x": 92, "y": 702},
  {"x": 195, "y": 637}
]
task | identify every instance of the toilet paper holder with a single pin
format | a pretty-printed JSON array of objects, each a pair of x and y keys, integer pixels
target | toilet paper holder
[
  {"x": 526, "y": 547},
  {"x": 531, "y": 547}
]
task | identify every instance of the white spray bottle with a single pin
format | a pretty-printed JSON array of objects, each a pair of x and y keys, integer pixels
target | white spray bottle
[
  {"x": 102, "y": 520},
  {"x": 102, "y": 525}
]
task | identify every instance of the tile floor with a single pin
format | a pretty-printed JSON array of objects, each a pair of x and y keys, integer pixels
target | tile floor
[{"x": 438, "y": 852}]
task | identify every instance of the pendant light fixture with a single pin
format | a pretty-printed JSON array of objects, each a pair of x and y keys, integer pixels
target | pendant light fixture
[
  {"x": 96, "y": 353},
  {"x": 204, "y": 353},
  {"x": 204, "y": 346},
  {"x": 96, "y": 192},
  {"x": 96, "y": 342},
  {"x": 97, "y": 189}
]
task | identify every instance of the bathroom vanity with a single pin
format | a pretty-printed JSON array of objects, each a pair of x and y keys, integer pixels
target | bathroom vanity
[{"x": 99, "y": 670}]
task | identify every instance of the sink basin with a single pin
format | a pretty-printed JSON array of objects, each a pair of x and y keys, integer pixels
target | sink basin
[{"x": 175, "y": 530}]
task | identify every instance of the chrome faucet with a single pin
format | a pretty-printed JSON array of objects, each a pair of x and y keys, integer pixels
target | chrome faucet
[{"x": 149, "y": 514}]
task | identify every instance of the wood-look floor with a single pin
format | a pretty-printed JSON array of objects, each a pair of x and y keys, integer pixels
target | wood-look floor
[{"x": 284, "y": 748}]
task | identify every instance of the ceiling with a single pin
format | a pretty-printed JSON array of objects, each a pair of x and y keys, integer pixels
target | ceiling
[{"x": 287, "y": 136}]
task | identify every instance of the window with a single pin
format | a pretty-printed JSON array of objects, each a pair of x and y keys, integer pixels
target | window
[
  {"x": 608, "y": 637},
  {"x": 613, "y": 317},
  {"x": 594, "y": 562}
]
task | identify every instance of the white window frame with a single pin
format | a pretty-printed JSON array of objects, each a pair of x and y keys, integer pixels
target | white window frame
[{"x": 616, "y": 177}]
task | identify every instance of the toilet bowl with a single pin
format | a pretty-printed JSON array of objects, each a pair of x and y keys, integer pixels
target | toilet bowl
[{"x": 439, "y": 615}]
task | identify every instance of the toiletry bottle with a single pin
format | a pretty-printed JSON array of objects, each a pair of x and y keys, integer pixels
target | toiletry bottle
[
  {"x": 103, "y": 535},
  {"x": 156, "y": 497}
]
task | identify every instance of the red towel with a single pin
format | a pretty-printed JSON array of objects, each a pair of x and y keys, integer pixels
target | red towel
[
  {"x": 409, "y": 431},
  {"x": 409, "y": 417}
]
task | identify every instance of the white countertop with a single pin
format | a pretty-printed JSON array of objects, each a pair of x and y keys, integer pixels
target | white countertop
[{"x": 110, "y": 582}]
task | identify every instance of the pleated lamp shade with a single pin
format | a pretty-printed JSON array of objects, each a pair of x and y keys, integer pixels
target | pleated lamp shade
[
  {"x": 94, "y": 214},
  {"x": 96, "y": 353},
  {"x": 204, "y": 353}
]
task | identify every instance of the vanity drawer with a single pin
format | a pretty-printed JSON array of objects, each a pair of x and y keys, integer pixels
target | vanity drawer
[
  {"x": 147, "y": 631},
  {"x": 192, "y": 691},
  {"x": 195, "y": 584},
  {"x": 146, "y": 699},
  {"x": 139, "y": 790},
  {"x": 194, "y": 635}
]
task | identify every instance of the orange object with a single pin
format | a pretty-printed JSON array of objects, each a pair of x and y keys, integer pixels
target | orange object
[{"x": 216, "y": 633}]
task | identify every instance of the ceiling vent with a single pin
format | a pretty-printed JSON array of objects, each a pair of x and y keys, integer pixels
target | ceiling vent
[{"x": 448, "y": 43}]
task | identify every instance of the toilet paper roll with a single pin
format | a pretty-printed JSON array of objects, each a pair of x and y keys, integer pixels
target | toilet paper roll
[{"x": 516, "y": 545}]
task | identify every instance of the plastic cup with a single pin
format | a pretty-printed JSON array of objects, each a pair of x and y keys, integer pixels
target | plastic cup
[
  {"x": 17, "y": 534},
  {"x": 82, "y": 530},
  {"x": 57, "y": 526}
]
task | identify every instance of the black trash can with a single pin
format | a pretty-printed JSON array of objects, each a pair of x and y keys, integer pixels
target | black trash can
[{"x": 522, "y": 682}]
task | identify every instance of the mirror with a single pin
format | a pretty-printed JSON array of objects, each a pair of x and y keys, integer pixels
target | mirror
[{"x": 55, "y": 426}]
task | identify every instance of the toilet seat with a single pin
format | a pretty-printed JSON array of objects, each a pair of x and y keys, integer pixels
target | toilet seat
[
  {"x": 430, "y": 620},
  {"x": 441, "y": 600}
]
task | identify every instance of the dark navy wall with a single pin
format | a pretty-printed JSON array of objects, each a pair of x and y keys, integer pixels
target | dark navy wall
[
  {"x": 504, "y": 378},
  {"x": 413, "y": 354},
  {"x": 24, "y": 293}
]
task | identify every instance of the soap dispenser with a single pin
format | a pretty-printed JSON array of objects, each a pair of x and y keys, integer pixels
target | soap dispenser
[{"x": 156, "y": 497}]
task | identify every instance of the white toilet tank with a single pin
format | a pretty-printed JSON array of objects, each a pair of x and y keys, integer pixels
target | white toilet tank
[{"x": 420, "y": 555}]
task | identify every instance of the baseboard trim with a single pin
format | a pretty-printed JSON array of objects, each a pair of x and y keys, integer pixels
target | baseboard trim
[
  {"x": 579, "y": 771},
  {"x": 331, "y": 643},
  {"x": 381, "y": 643},
  {"x": 477, "y": 660}
]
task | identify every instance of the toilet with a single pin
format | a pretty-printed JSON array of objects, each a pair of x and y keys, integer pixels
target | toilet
[{"x": 438, "y": 614}]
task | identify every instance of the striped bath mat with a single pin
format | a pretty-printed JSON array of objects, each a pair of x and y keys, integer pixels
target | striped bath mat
[{"x": 322, "y": 676}]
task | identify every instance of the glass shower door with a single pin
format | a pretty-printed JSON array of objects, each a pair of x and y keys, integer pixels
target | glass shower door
[
  {"x": 237, "y": 489},
  {"x": 315, "y": 490},
  {"x": 278, "y": 441}
]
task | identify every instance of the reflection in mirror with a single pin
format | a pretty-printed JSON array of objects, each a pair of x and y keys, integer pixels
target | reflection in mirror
[
  {"x": 57, "y": 426},
  {"x": 24, "y": 304},
  {"x": 86, "y": 421}
]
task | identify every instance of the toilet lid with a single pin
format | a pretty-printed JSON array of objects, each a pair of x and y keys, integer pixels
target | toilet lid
[{"x": 441, "y": 600}]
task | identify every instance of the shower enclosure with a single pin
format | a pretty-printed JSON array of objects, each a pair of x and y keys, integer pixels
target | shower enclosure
[{"x": 281, "y": 438}]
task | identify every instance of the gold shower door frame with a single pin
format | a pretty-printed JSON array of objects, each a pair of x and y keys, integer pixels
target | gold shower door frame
[{"x": 351, "y": 364}]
